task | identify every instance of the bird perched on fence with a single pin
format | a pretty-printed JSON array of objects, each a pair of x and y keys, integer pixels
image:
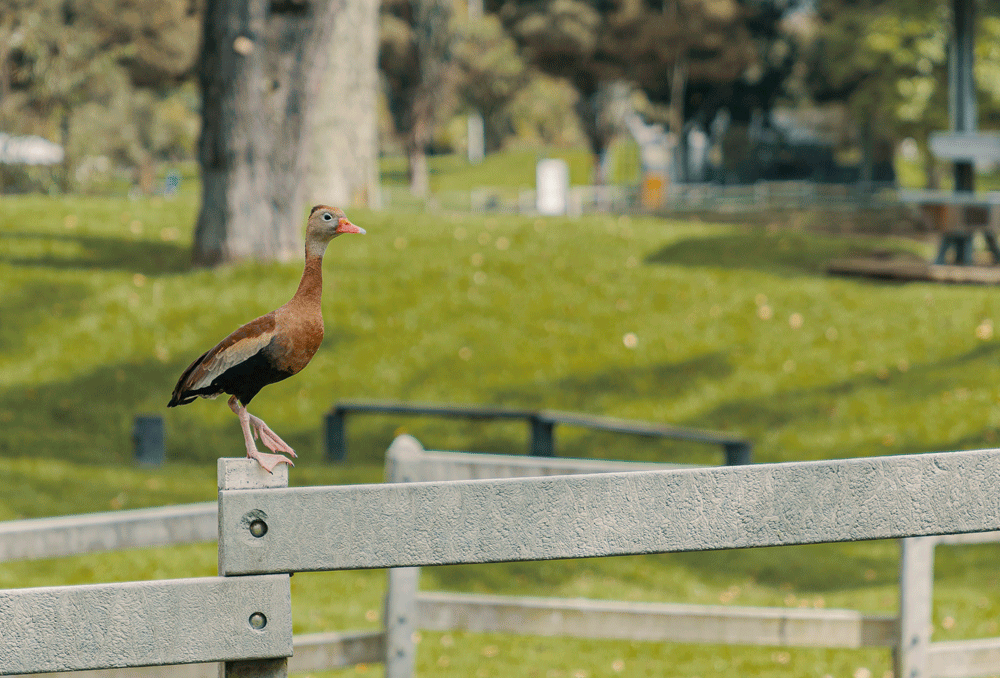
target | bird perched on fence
[{"x": 271, "y": 348}]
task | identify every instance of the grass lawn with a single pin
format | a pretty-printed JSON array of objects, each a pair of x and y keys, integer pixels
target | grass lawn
[{"x": 695, "y": 324}]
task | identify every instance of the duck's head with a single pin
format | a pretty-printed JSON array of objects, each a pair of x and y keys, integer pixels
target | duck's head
[{"x": 326, "y": 223}]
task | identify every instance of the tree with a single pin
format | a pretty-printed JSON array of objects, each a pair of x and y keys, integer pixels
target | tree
[
  {"x": 262, "y": 72},
  {"x": 343, "y": 148},
  {"x": 889, "y": 60},
  {"x": 682, "y": 53},
  {"x": 490, "y": 73},
  {"x": 99, "y": 76},
  {"x": 415, "y": 57}
]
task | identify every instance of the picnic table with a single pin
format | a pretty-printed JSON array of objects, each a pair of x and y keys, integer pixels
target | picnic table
[{"x": 960, "y": 214}]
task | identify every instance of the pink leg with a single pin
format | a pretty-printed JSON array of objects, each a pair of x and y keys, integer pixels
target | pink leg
[
  {"x": 269, "y": 437},
  {"x": 266, "y": 461}
]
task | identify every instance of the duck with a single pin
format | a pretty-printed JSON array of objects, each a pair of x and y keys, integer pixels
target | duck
[{"x": 270, "y": 348}]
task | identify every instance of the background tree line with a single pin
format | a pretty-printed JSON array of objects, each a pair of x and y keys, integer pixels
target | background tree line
[{"x": 119, "y": 82}]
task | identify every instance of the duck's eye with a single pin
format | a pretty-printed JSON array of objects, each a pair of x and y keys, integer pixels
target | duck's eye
[{"x": 327, "y": 216}]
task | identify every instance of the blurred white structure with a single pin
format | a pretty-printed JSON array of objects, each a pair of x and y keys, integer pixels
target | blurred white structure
[
  {"x": 30, "y": 150},
  {"x": 552, "y": 187},
  {"x": 477, "y": 138}
]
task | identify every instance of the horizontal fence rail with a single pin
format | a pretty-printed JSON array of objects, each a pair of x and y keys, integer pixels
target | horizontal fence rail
[
  {"x": 663, "y": 622},
  {"x": 112, "y": 531},
  {"x": 915, "y": 656},
  {"x": 408, "y": 463},
  {"x": 678, "y": 197},
  {"x": 963, "y": 658},
  {"x": 311, "y": 652},
  {"x": 180, "y": 621},
  {"x": 478, "y": 521}
]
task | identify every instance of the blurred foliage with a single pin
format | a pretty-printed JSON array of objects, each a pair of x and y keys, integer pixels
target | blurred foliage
[
  {"x": 417, "y": 39},
  {"x": 104, "y": 78},
  {"x": 492, "y": 74},
  {"x": 698, "y": 56},
  {"x": 640, "y": 41},
  {"x": 110, "y": 80},
  {"x": 889, "y": 61}
]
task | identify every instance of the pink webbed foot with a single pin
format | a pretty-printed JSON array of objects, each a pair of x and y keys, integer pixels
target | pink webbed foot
[
  {"x": 269, "y": 437},
  {"x": 268, "y": 461}
]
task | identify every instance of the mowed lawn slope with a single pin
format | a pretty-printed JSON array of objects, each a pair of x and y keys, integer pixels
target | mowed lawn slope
[{"x": 705, "y": 325}]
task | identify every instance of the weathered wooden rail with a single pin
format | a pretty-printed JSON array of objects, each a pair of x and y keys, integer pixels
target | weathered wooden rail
[
  {"x": 541, "y": 424},
  {"x": 264, "y": 533}
]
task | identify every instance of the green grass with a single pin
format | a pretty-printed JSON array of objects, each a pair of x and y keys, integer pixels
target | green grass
[{"x": 707, "y": 325}]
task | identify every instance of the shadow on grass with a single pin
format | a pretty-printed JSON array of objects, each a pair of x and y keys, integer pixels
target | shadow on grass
[
  {"x": 95, "y": 413},
  {"x": 665, "y": 380},
  {"x": 806, "y": 407},
  {"x": 23, "y": 307},
  {"x": 816, "y": 568},
  {"x": 781, "y": 253},
  {"x": 101, "y": 253}
]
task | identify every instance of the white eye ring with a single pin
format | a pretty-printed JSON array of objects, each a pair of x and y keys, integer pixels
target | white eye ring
[{"x": 327, "y": 216}]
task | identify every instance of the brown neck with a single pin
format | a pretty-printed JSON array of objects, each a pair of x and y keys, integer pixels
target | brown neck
[{"x": 311, "y": 286}]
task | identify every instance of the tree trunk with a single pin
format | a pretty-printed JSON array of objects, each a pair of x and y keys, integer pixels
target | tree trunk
[
  {"x": 343, "y": 125},
  {"x": 433, "y": 94},
  {"x": 235, "y": 221},
  {"x": 678, "y": 87},
  {"x": 288, "y": 117},
  {"x": 419, "y": 175},
  {"x": 289, "y": 30}
]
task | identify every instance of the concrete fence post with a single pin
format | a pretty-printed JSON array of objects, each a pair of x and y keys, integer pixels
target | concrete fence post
[
  {"x": 916, "y": 581},
  {"x": 246, "y": 474},
  {"x": 401, "y": 621},
  {"x": 401, "y": 593}
]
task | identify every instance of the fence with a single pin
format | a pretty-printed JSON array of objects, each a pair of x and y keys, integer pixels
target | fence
[
  {"x": 267, "y": 531},
  {"x": 707, "y": 197},
  {"x": 541, "y": 424}
]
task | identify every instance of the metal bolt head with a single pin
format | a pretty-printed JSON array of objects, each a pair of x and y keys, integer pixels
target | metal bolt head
[
  {"x": 258, "y": 621},
  {"x": 258, "y": 528}
]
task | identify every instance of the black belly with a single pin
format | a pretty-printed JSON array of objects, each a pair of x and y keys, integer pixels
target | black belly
[{"x": 247, "y": 379}]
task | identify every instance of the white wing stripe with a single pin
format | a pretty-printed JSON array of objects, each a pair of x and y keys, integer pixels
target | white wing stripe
[{"x": 231, "y": 356}]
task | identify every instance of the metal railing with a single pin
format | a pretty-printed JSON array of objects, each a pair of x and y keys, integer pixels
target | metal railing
[
  {"x": 541, "y": 423},
  {"x": 703, "y": 197}
]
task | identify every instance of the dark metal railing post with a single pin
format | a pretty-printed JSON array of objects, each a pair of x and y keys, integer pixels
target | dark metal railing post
[
  {"x": 738, "y": 454},
  {"x": 543, "y": 442},
  {"x": 336, "y": 435},
  {"x": 147, "y": 437}
]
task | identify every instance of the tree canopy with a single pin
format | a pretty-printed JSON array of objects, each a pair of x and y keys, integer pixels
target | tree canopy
[
  {"x": 114, "y": 78},
  {"x": 102, "y": 77},
  {"x": 888, "y": 60}
]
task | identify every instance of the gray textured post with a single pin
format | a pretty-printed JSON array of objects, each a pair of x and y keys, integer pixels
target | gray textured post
[
  {"x": 246, "y": 474},
  {"x": 336, "y": 435},
  {"x": 401, "y": 621},
  {"x": 916, "y": 581},
  {"x": 401, "y": 593}
]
